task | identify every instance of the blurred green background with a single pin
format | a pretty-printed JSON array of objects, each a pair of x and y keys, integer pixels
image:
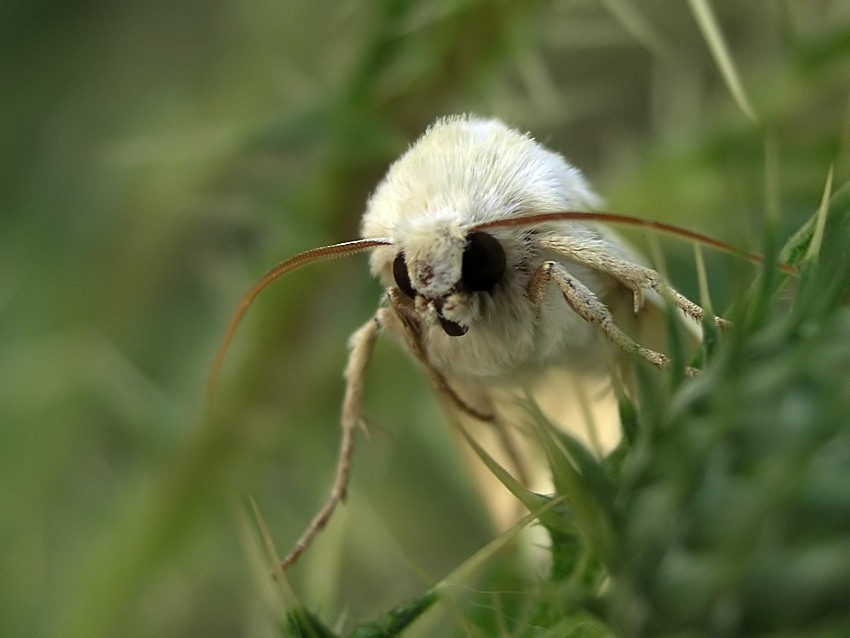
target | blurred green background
[{"x": 157, "y": 157}]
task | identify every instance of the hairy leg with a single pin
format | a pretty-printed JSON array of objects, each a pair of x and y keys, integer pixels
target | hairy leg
[
  {"x": 634, "y": 276},
  {"x": 588, "y": 306},
  {"x": 400, "y": 320},
  {"x": 361, "y": 344}
]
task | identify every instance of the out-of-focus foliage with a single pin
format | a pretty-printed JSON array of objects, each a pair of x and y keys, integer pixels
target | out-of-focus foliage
[
  {"x": 733, "y": 511},
  {"x": 156, "y": 157}
]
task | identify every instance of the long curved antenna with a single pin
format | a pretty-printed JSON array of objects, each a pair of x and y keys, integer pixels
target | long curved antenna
[
  {"x": 301, "y": 259},
  {"x": 613, "y": 218}
]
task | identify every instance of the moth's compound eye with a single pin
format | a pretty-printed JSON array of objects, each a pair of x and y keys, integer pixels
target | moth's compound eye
[
  {"x": 483, "y": 262},
  {"x": 401, "y": 276}
]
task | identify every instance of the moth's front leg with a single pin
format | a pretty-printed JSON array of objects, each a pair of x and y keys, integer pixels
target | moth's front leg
[
  {"x": 401, "y": 320},
  {"x": 361, "y": 345},
  {"x": 588, "y": 306},
  {"x": 634, "y": 276},
  {"x": 398, "y": 318}
]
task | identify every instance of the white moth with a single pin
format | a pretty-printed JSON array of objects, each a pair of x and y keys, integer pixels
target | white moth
[{"x": 494, "y": 282}]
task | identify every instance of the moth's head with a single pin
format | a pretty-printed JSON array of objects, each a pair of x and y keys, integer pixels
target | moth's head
[{"x": 442, "y": 269}]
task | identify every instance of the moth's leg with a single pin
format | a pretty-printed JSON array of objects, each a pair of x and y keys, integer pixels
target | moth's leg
[
  {"x": 361, "y": 344},
  {"x": 587, "y": 305},
  {"x": 397, "y": 318},
  {"x": 634, "y": 276}
]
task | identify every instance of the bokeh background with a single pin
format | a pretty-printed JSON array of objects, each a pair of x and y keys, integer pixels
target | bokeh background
[{"x": 156, "y": 157}]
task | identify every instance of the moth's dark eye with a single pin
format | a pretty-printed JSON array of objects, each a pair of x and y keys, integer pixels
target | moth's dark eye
[
  {"x": 402, "y": 278},
  {"x": 483, "y": 262}
]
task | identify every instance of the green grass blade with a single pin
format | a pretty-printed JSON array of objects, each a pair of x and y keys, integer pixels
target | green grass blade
[{"x": 717, "y": 44}]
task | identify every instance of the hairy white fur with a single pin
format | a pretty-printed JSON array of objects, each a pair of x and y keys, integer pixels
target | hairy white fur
[{"x": 462, "y": 171}]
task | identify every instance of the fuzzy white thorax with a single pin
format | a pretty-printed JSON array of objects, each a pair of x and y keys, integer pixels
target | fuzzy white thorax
[{"x": 465, "y": 170}]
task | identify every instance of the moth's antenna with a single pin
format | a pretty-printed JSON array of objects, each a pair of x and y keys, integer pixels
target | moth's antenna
[
  {"x": 614, "y": 218},
  {"x": 301, "y": 259}
]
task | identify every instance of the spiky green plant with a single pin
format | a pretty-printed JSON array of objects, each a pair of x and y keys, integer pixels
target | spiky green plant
[{"x": 733, "y": 511}]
